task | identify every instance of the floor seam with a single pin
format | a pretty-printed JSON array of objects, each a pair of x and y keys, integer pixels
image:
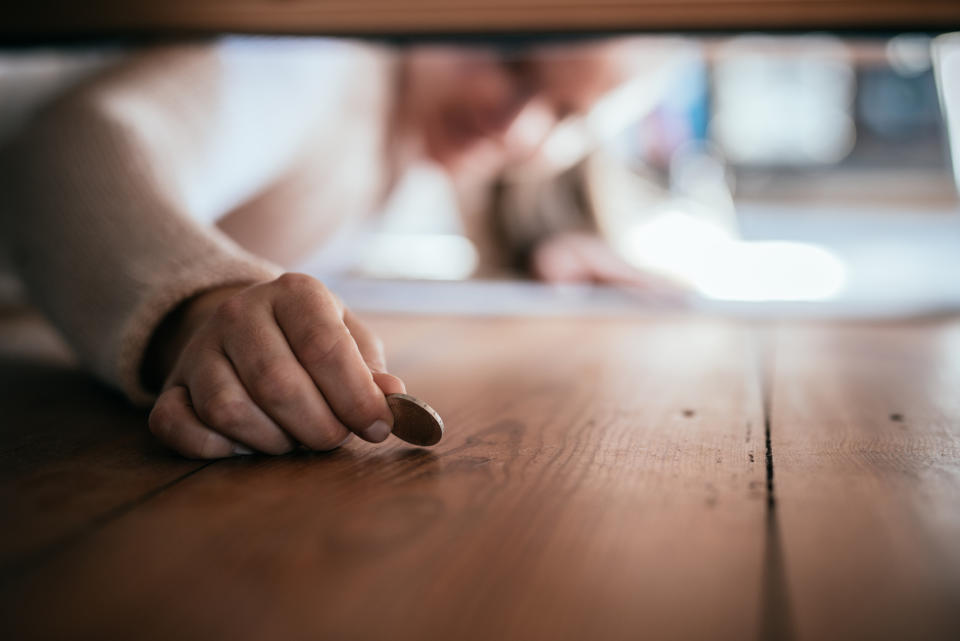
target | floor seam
[
  {"x": 15, "y": 570},
  {"x": 776, "y": 620}
]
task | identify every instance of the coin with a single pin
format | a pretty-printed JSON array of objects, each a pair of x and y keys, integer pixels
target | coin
[{"x": 414, "y": 421}]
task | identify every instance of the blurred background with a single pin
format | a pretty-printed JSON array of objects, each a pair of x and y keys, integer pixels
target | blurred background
[{"x": 750, "y": 174}]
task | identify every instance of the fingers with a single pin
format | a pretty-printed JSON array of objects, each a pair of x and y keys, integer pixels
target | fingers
[
  {"x": 371, "y": 348},
  {"x": 279, "y": 385},
  {"x": 369, "y": 344},
  {"x": 312, "y": 320},
  {"x": 275, "y": 365},
  {"x": 579, "y": 257},
  {"x": 389, "y": 383},
  {"x": 604, "y": 265},
  {"x": 175, "y": 424},
  {"x": 223, "y": 404}
]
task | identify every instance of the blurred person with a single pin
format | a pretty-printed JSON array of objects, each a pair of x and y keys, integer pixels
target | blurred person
[{"x": 153, "y": 213}]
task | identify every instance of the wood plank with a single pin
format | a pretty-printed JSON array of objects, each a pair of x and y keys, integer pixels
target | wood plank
[
  {"x": 599, "y": 479},
  {"x": 866, "y": 449},
  {"x": 72, "y": 452},
  {"x": 111, "y": 17}
]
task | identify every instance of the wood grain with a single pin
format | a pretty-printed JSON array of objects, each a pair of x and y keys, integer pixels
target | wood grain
[
  {"x": 72, "y": 453},
  {"x": 598, "y": 479},
  {"x": 866, "y": 449},
  {"x": 112, "y": 17}
]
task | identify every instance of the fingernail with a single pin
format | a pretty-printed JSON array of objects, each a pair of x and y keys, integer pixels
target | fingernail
[
  {"x": 377, "y": 431},
  {"x": 241, "y": 450}
]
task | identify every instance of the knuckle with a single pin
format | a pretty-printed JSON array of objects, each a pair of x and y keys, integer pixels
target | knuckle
[
  {"x": 329, "y": 304},
  {"x": 298, "y": 283},
  {"x": 225, "y": 410},
  {"x": 312, "y": 294},
  {"x": 276, "y": 385},
  {"x": 160, "y": 419},
  {"x": 163, "y": 416},
  {"x": 317, "y": 295},
  {"x": 231, "y": 310},
  {"x": 319, "y": 346}
]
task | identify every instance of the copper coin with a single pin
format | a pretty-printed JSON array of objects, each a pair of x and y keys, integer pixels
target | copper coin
[{"x": 414, "y": 421}]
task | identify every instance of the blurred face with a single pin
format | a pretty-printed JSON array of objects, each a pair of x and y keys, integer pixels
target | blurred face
[{"x": 464, "y": 100}]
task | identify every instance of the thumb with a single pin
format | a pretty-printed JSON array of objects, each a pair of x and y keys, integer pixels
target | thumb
[{"x": 389, "y": 383}]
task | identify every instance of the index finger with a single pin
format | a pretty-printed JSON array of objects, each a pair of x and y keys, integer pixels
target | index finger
[
  {"x": 312, "y": 322},
  {"x": 371, "y": 348}
]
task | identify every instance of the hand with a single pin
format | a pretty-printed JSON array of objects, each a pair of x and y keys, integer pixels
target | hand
[
  {"x": 269, "y": 367},
  {"x": 576, "y": 257}
]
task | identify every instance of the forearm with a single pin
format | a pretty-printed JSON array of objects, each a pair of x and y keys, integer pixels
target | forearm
[
  {"x": 100, "y": 240},
  {"x": 109, "y": 198}
]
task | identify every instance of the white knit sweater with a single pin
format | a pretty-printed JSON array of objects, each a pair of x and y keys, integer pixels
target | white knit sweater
[{"x": 186, "y": 168}]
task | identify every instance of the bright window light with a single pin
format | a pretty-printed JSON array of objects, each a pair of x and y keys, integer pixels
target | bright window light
[
  {"x": 424, "y": 256},
  {"x": 721, "y": 267}
]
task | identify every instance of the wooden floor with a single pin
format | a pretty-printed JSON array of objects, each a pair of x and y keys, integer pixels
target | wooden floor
[{"x": 665, "y": 478}]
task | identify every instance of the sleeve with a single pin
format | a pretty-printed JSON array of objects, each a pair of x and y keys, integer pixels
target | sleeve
[
  {"x": 100, "y": 199},
  {"x": 528, "y": 208}
]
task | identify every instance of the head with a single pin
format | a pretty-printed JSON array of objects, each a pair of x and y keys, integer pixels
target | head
[{"x": 472, "y": 99}]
